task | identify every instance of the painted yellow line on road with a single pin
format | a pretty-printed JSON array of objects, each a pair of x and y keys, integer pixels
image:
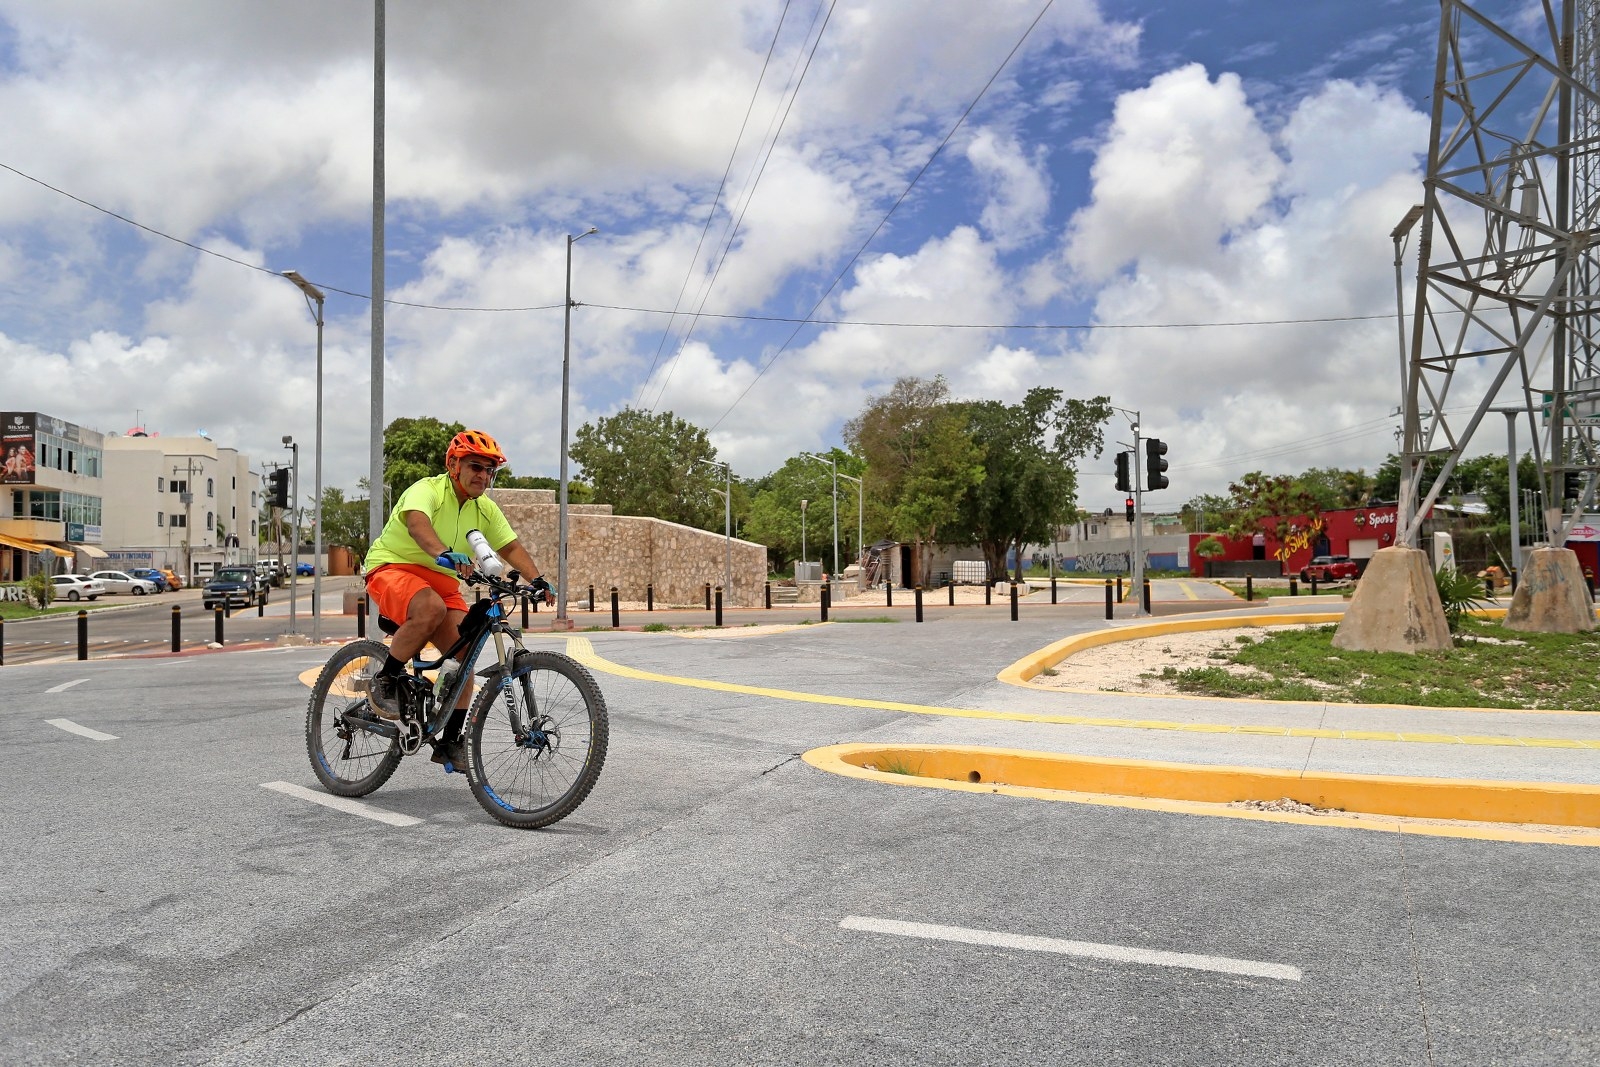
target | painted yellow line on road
[
  {"x": 582, "y": 650},
  {"x": 1190, "y": 593},
  {"x": 1548, "y": 812}
]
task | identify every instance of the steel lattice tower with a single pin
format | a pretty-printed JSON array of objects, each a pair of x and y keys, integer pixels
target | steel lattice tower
[{"x": 1507, "y": 305}]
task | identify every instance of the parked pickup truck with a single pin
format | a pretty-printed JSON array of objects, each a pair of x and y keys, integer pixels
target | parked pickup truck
[
  {"x": 1330, "y": 569},
  {"x": 235, "y": 586}
]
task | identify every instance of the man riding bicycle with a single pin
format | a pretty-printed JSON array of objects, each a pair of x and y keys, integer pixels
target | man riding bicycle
[{"x": 414, "y": 568}]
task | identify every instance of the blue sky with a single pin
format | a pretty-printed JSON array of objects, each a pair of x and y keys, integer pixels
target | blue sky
[{"x": 1135, "y": 164}]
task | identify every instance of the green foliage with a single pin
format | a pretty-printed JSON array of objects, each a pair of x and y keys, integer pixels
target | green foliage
[
  {"x": 1458, "y": 593},
  {"x": 922, "y": 459},
  {"x": 414, "y": 449},
  {"x": 773, "y": 517},
  {"x": 1030, "y": 480},
  {"x": 1489, "y": 666},
  {"x": 577, "y": 492},
  {"x": 1210, "y": 548},
  {"x": 652, "y": 464},
  {"x": 1276, "y": 505},
  {"x": 1333, "y": 488},
  {"x": 40, "y": 589}
]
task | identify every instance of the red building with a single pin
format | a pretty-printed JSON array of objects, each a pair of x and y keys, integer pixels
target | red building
[{"x": 1354, "y": 532}]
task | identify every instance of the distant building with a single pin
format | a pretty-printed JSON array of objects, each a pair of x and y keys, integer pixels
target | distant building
[
  {"x": 182, "y": 502},
  {"x": 51, "y": 493}
]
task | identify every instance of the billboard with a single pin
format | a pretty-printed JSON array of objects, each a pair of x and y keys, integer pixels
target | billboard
[{"x": 16, "y": 448}]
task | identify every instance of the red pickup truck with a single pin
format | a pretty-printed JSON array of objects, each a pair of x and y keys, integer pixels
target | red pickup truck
[{"x": 1330, "y": 569}]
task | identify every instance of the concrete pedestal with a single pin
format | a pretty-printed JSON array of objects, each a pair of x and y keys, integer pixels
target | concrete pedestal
[
  {"x": 1552, "y": 596},
  {"x": 1396, "y": 607}
]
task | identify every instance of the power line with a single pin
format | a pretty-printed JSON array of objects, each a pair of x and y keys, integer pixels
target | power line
[{"x": 884, "y": 221}]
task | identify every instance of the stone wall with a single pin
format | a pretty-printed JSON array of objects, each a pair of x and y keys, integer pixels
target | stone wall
[{"x": 631, "y": 551}]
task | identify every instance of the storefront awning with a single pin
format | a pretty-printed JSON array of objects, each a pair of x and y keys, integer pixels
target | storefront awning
[
  {"x": 92, "y": 552},
  {"x": 17, "y": 542},
  {"x": 64, "y": 553}
]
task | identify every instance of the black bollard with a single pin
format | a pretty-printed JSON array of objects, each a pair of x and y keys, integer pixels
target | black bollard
[
  {"x": 952, "y": 588},
  {"x": 719, "y": 606},
  {"x": 1119, "y": 589},
  {"x": 1147, "y": 610},
  {"x": 217, "y": 612},
  {"x": 919, "y": 603},
  {"x": 2, "y": 642},
  {"x": 988, "y": 593},
  {"x": 824, "y": 603},
  {"x": 1013, "y": 601},
  {"x": 767, "y": 595},
  {"x": 616, "y": 614},
  {"x": 1109, "y": 601},
  {"x": 1488, "y": 586},
  {"x": 261, "y": 608},
  {"x": 1313, "y": 585},
  {"x": 361, "y": 618},
  {"x": 650, "y": 596},
  {"x": 591, "y": 598},
  {"x": 1052, "y": 589},
  {"x": 1249, "y": 588},
  {"x": 83, "y": 634},
  {"x": 888, "y": 594},
  {"x": 524, "y": 612},
  {"x": 1294, "y": 587},
  {"x": 708, "y": 596},
  {"x": 177, "y": 627}
]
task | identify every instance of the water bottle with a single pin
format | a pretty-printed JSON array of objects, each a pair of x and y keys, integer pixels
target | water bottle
[
  {"x": 445, "y": 678},
  {"x": 487, "y": 561}
]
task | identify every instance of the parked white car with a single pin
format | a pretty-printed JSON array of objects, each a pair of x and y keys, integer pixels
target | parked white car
[
  {"x": 123, "y": 582},
  {"x": 76, "y": 587}
]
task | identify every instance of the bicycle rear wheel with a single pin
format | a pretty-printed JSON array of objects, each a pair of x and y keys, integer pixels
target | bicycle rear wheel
[
  {"x": 534, "y": 777},
  {"x": 349, "y": 761}
]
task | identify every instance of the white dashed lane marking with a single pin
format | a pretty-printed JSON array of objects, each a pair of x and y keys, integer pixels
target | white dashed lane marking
[
  {"x": 82, "y": 731},
  {"x": 1114, "y": 953},
  {"x": 64, "y": 686},
  {"x": 345, "y": 804}
]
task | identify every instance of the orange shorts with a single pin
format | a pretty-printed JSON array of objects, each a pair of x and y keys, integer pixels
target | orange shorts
[{"x": 393, "y": 585}]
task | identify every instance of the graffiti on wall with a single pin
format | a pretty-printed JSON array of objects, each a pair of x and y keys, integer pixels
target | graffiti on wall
[
  {"x": 1104, "y": 562},
  {"x": 1298, "y": 539}
]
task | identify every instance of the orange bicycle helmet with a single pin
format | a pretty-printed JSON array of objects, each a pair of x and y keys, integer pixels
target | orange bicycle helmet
[{"x": 474, "y": 443}]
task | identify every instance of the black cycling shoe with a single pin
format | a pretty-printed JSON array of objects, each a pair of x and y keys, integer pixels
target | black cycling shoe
[
  {"x": 453, "y": 754},
  {"x": 383, "y": 695}
]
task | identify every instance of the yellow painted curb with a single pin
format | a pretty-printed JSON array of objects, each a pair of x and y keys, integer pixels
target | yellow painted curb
[
  {"x": 1029, "y": 666},
  {"x": 1566, "y": 814},
  {"x": 582, "y": 650}
]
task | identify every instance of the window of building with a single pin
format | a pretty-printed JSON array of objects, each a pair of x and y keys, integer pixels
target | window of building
[
  {"x": 161, "y": 484},
  {"x": 158, "y": 518},
  {"x": 211, "y": 521},
  {"x": 210, "y": 487},
  {"x": 179, "y": 520},
  {"x": 178, "y": 487}
]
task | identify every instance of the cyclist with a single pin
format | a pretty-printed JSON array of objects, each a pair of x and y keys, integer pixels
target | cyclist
[{"x": 413, "y": 570}]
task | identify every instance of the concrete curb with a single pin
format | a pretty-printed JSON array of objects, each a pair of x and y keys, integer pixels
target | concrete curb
[{"x": 1565, "y": 814}]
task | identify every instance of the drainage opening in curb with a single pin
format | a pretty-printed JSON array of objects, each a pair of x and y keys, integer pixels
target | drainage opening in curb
[{"x": 974, "y": 776}]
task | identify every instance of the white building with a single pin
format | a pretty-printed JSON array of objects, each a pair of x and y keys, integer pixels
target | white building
[{"x": 180, "y": 502}]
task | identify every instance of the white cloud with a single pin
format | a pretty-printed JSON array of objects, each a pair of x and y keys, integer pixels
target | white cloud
[{"x": 1018, "y": 188}]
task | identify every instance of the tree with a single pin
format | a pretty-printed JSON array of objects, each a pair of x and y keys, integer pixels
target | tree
[
  {"x": 774, "y": 512},
  {"x": 922, "y": 458},
  {"x": 344, "y": 522},
  {"x": 1030, "y": 482},
  {"x": 414, "y": 449},
  {"x": 1334, "y": 488},
  {"x": 1205, "y": 512},
  {"x": 577, "y": 492},
  {"x": 651, "y": 464},
  {"x": 1275, "y": 505}
]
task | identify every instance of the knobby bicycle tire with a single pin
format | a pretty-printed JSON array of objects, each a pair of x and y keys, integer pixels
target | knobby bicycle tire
[
  {"x": 356, "y": 765},
  {"x": 532, "y": 782}
]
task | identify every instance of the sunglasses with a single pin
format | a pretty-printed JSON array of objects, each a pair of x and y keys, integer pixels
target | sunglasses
[{"x": 479, "y": 468}]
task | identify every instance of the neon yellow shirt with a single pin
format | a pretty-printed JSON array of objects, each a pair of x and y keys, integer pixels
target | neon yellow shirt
[{"x": 436, "y": 498}]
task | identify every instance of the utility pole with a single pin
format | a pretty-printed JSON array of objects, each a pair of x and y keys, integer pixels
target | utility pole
[{"x": 187, "y": 499}]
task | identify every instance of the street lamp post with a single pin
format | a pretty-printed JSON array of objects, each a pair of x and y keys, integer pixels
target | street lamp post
[
  {"x": 861, "y": 543},
  {"x": 803, "y": 504},
  {"x": 833, "y": 465},
  {"x": 727, "y": 525},
  {"x": 312, "y": 293},
  {"x": 294, "y": 526},
  {"x": 562, "y": 622}
]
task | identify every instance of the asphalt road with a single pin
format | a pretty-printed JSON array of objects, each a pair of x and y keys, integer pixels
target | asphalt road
[{"x": 718, "y": 901}]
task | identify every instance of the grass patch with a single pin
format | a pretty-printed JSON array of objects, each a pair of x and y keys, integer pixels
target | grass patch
[
  {"x": 655, "y": 627},
  {"x": 895, "y": 766},
  {"x": 868, "y": 618},
  {"x": 1488, "y": 667},
  {"x": 13, "y": 609}
]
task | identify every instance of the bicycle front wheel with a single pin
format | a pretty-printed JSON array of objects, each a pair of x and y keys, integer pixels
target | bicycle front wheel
[
  {"x": 349, "y": 761},
  {"x": 533, "y": 764}
]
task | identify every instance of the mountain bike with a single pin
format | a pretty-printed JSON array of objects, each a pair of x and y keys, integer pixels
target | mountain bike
[{"x": 534, "y": 737}]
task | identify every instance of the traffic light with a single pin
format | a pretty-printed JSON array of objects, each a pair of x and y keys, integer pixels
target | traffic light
[
  {"x": 1154, "y": 465},
  {"x": 1124, "y": 480},
  {"x": 278, "y": 488},
  {"x": 1128, "y": 503},
  {"x": 1571, "y": 485}
]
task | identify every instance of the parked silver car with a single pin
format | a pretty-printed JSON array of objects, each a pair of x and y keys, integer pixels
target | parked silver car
[{"x": 123, "y": 582}]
